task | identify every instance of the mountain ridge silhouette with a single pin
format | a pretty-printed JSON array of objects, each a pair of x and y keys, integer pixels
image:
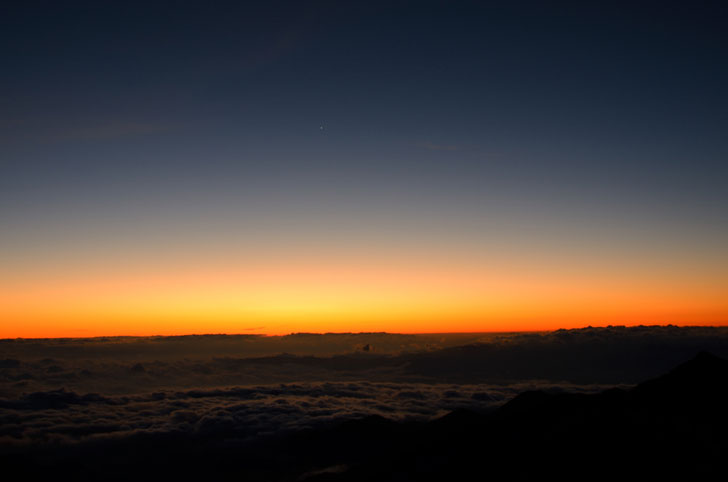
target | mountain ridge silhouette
[{"x": 669, "y": 427}]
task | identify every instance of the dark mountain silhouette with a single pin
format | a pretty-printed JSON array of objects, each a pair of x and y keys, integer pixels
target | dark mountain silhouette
[{"x": 670, "y": 427}]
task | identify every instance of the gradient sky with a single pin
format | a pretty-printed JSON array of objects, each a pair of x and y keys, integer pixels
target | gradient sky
[{"x": 274, "y": 167}]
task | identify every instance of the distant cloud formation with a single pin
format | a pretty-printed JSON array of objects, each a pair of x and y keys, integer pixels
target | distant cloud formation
[
  {"x": 71, "y": 390},
  {"x": 71, "y": 130},
  {"x": 104, "y": 131},
  {"x": 65, "y": 416}
]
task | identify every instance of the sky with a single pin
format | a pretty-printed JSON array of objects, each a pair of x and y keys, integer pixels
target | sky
[{"x": 277, "y": 167}]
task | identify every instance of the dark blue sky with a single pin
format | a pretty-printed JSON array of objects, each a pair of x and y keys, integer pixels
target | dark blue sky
[
  {"x": 590, "y": 127},
  {"x": 583, "y": 91}
]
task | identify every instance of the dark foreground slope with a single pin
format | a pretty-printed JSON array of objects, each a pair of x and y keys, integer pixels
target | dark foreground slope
[
  {"x": 671, "y": 427},
  {"x": 674, "y": 426}
]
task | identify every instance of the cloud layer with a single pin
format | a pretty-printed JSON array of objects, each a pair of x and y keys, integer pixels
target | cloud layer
[
  {"x": 62, "y": 416},
  {"x": 243, "y": 387}
]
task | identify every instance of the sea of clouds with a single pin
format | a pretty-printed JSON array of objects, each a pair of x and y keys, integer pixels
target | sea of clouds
[{"x": 243, "y": 387}]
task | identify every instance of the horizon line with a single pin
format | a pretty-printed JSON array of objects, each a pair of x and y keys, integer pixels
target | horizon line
[{"x": 265, "y": 335}]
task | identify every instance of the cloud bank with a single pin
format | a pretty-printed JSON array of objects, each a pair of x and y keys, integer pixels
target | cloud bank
[
  {"x": 242, "y": 387},
  {"x": 62, "y": 416}
]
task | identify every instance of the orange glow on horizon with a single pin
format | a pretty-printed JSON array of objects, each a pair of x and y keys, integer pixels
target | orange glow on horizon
[{"x": 330, "y": 295}]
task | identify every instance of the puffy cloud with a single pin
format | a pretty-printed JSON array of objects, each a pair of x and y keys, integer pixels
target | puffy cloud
[
  {"x": 116, "y": 366},
  {"x": 45, "y": 417},
  {"x": 61, "y": 391}
]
